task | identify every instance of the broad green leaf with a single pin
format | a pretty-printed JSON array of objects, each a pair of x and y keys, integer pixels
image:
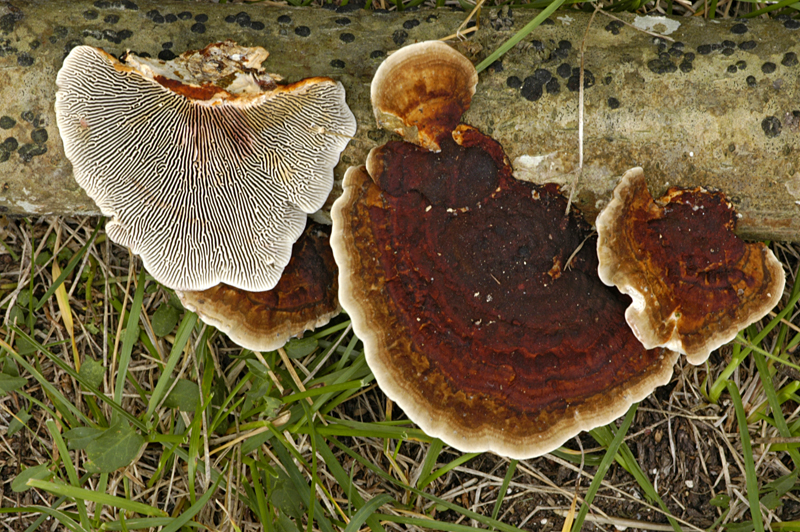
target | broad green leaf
[
  {"x": 18, "y": 422},
  {"x": 10, "y": 367},
  {"x": 9, "y": 384},
  {"x": 300, "y": 347},
  {"x": 286, "y": 497},
  {"x": 284, "y": 524},
  {"x": 257, "y": 368},
  {"x": 23, "y": 346},
  {"x": 92, "y": 371},
  {"x": 41, "y": 471},
  {"x": 722, "y": 500},
  {"x": 185, "y": 396},
  {"x": 164, "y": 319},
  {"x": 116, "y": 447},
  {"x": 16, "y": 315},
  {"x": 81, "y": 437}
]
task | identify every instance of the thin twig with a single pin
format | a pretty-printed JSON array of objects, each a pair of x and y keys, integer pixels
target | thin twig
[{"x": 580, "y": 113}]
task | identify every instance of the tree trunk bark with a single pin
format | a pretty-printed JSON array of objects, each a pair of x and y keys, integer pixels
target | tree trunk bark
[{"x": 727, "y": 119}]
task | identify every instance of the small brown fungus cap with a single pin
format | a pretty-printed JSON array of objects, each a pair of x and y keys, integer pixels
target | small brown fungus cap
[
  {"x": 694, "y": 283},
  {"x": 306, "y": 297},
  {"x": 205, "y": 167},
  {"x": 421, "y": 91},
  {"x": 476, "y": 318}
]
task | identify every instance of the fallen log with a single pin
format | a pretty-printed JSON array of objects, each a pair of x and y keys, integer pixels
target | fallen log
[{"x": 717, "y": 106}]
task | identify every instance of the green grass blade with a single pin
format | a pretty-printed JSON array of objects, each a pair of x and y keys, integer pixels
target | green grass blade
[
  {"x": 72, "y": 373},
  {"x": 96, "y": 497},
  {"x": 181, "y": 337},
  {"x": 512, "y": 467},
  {"x": 194, "y": 509},
  {"x": 345, "y": 482},
  {"x": 747, "y": 455},
  {"x": 521, "y": 34},
  {"x": 131, "y": 335},
  {"x": 70, "y": 467},
  {"x": 602, "y": 469},
  {"x": 68, "y": 269},
  {"x": 774, "y": 403},
  {"x": 366, "y": 511}
]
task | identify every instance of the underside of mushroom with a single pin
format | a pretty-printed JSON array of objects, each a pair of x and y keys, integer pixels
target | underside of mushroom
[{"x": 209, "y": 177}]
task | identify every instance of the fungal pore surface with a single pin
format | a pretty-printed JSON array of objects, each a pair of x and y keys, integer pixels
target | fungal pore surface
[{"x": 205, "y": 165}]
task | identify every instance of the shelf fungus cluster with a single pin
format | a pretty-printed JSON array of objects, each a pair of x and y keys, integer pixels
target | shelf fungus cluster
[
  {"x": 693, "y": 282},
  {"x": 205, "y": 165},
  {"x": 477, "y": 300}
]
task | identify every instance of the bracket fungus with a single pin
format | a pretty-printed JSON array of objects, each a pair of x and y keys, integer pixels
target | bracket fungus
[
  {"x": 306, "y": 297},
  {"x": 421, "y": 91},
  {"x": 694, "y": 283},
  {"x": 478, "y": 301},
  {"x": 205, "y": 166}
]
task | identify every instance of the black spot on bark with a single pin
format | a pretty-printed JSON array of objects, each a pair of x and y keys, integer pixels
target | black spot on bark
[
  {"x": 771, "y": 126},
  {"x": 512, "y": 82},
  {"x": 337, "y": 63},
  {"x": 747, "y": 45},
  {"x": 751, "y": 81},
  {"x": 741, "y": 65},
  {"x": 564, "y": 70},
  {"x": 411, "y": 24},
  {"x": 344, "y": 21},
  {"x": 198, "y": 27},
  {"x": 284, "y": 19},
  {"x": 347, "y": 37},
  {"x": 202, "y": 17},
  {"x": 184, "y": 15},
  {"x": 24, "y": 59},
  {"x": 739, "y": 29},
  {"x": 377, "y": 54},
  {"x": 170, "y": 18},
  {"x": 39, "y": 136},
  {"x": 399, "y": 37},
  {"x": 552, "y": 86},
  {"x": 111, "y": 19},
  {"x": 10, "y": 144},
  {"x": 704, "y": 49},
  {"x": 573, "y": 83},
  {"x": 732, "y": 69},
  {"x": 166, "y": 55},
  {"x": 302, "y": 31},
  {"x": 6, "y": 122},
  {"x": 661, "y": 66},
  {"x": 789, "y": 59},
  {"x": 90, "y": 14},
  {"x": 531, "y": 89},
  {"x": 29, "y": 151},
  {"x": 613, "y": 103},
  {"x": 768, "y": 68}
]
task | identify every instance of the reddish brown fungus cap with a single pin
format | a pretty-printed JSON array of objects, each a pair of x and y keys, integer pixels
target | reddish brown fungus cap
[
  {"x": 205, "y": 167},
  {"x": 306, "y": 297},
  {"x": 421, "y": 91},
  {"x": 694, "y": 283},
  {"x": 478, "y": 300}
]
